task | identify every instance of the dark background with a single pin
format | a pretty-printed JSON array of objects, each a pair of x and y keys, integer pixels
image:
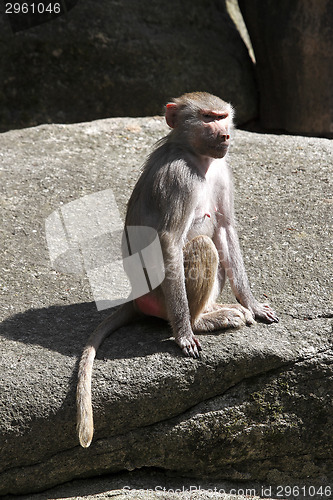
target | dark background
[{"x": 110, "y": 58}]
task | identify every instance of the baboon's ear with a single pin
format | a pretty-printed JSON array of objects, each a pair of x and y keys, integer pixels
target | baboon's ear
[{"x": 171, "y": 114}]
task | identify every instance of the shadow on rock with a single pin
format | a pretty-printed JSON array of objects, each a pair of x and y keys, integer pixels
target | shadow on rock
[{"x": 66, "y": 329}]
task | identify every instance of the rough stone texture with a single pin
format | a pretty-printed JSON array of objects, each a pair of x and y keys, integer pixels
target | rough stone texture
[
  {"x": 149, "y": 484},
  {"x": 256, "y": 407},
  {"x": 111, "y": 58},
  {"x": 293, "y": 46}
]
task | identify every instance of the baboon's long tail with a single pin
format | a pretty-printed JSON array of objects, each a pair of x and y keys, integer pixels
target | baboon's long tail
[{"x": 85, "y": 425}]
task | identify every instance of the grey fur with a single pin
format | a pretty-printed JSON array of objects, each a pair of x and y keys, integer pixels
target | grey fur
[{"x": 185, "y": 192}]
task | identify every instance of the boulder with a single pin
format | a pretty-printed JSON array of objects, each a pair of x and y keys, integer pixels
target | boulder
[
  {"x": 112, "y": 58},
  {"x": 257, "y": 407},
  {"x": 293, "y": 46}
]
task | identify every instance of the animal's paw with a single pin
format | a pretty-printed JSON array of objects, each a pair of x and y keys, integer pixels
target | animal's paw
[
  {"x": 190, "y": 345},
  {"x": 238, "y": 316},
  {"x": 264, "y": 312},
  {"x": 242, "y": 315}
]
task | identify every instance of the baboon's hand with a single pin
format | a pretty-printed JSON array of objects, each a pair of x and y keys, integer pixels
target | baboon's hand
[
  {"x": 264, "y": 312},
  {"x": 190, "y": 345}
]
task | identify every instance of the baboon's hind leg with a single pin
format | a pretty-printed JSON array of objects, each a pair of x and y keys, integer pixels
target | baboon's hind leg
[
  {"x": 224, "y": 316},
  {"x": 201, "y": 266}
]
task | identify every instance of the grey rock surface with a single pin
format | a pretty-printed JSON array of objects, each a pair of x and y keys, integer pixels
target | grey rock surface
[
  {"x": 111, "y": 58},
  {"x": 256, "y": 407},
  {"x": 149, "y": 484}
]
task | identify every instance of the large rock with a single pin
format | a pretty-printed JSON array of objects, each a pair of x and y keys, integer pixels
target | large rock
[
  {"x": 293, "y": 46},
  {"x": 256, "y": 407},
  {"x": 111, "y": 58}
]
